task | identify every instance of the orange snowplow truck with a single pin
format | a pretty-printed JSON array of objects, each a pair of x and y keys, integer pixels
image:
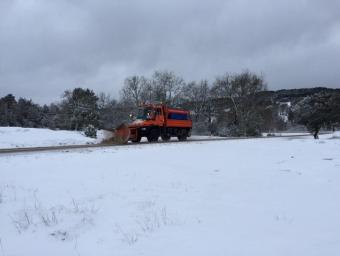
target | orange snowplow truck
[{"x": 157, "y": 120}]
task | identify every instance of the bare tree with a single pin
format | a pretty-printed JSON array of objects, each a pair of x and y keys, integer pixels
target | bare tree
[
  {"x": 198, "y": 95},
  {"x": 133, "y": 89},
  {"x": 147, "y": 94},
  {"x": 197, "y": 98},
  {"x": 240, "y": 92},
  {"x": 107, "y": 111},
  {"x": 167, "y": 87}
]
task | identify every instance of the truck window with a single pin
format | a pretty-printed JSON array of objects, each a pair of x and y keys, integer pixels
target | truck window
[{"x": 145, "y": 113}]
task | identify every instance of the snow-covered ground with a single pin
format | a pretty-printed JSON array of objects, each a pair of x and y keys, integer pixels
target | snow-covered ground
[{"x": 276, "y": 196}]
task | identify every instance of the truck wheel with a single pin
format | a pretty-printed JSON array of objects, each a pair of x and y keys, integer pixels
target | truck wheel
[
  {"x": 165, "y": 137},
  {"x": 153, "y": 135},
  {"x": 182, "y": 137}
]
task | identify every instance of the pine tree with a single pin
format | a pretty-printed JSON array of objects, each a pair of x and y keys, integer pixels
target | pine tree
[{"x": 79, "y": 109}]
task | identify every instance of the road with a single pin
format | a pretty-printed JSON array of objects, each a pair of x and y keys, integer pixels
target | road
[{"x": 102, "y": 145}]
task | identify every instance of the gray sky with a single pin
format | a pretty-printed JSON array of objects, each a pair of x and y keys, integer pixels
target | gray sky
[{"x": 48, "y": 46}]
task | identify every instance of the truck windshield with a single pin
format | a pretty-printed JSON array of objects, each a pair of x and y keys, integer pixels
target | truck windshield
[{"x": 145, "y": 113}]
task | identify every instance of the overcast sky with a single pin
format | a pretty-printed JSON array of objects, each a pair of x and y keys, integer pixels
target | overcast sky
[{"x": 48, "y": 46}]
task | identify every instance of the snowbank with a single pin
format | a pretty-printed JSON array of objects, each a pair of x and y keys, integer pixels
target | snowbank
[
  {"x": 323, "y": 134},
  {"x": 14, "y": 137},
  {"x": 11, "y": 137},
  {"x": 336, "y": 135},
  {"x": 260, "y": 197},
  {"x": 284, "y": 134}
]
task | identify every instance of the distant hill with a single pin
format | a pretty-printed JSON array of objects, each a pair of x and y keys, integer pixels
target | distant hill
[{"x": 294, "y": 95}]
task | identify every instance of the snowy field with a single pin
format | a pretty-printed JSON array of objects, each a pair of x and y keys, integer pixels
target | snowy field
[{"x": 277, "y": 196}]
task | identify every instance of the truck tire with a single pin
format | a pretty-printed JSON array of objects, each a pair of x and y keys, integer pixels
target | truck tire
[
  {"x": 182, "y": 135},
  {"x": 153, "y": 135},
  {"x": 182, "y": 138},
  {"x": 165, "y": 137}
]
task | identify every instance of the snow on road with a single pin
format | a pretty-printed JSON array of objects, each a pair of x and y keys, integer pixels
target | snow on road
[{"x": 240, "y": 197}]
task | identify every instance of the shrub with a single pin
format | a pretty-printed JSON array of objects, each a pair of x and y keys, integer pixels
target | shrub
[{"x": 90, "y": 131}]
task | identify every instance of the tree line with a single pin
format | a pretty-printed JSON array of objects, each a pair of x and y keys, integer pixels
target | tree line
[{"x": 232, "y": 105}]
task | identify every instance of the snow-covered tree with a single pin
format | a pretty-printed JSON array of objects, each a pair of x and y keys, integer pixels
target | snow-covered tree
[
  {"x": 79, "y": 109},
  {"x": 321, "y": 110}
]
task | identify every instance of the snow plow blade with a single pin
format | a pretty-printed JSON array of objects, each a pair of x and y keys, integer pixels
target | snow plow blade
[{"x": 120, "y": 135}]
